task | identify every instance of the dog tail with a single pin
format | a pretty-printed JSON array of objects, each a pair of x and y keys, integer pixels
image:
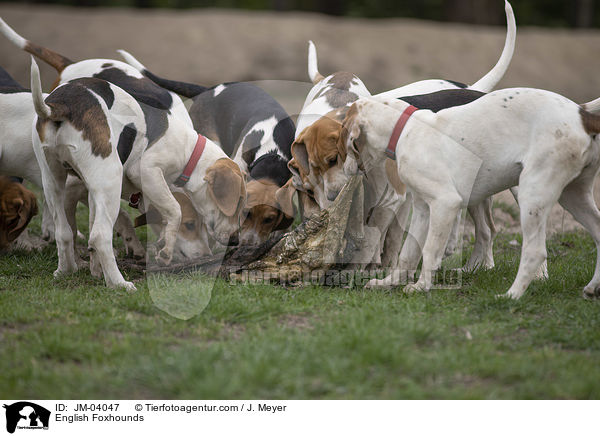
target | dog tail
[
  {"x": 58, "y": 61},
  {"x": 313, "y": 70},
  {"x": 491, "y": 79},
  {"x": 185, "y": 89},
  {"x": 592, "y": 106},
  {"x": 41, "y": 108}
]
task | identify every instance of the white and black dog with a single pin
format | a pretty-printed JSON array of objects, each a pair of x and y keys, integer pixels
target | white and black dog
[
  {"x": 95, "y": 129},
  {"x": 255, "y": 130},
  {"x": 18, "y": 159},
  {"x": 166, "y": 120},
  {"x": 455, "y": 148}
]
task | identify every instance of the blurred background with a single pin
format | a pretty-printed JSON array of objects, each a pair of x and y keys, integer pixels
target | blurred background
[
  {"x": 387, "y": 43},
  {"x": 553, "y": 13}
]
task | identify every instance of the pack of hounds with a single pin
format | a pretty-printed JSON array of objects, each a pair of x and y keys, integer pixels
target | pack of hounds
[{"x": 235, "y": 170}]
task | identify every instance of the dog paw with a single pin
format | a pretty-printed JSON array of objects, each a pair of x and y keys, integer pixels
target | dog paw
[
  {"x": 591, "y": 292},
  {"x": 164, "y": 257},
  {"x": 412, "y": 288},
  {"x": 128, "y": 286},
  {"x": 510, "y": 294}
]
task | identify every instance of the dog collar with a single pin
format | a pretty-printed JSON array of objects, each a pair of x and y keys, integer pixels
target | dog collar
[
  {"x": 390, "y": 151},
  {"x": 184, "y": 177}
]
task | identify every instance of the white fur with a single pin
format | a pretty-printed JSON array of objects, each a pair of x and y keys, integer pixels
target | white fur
[{"x": 529, "y": 137}]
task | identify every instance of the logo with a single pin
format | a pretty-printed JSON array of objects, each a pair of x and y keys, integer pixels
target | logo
[{"x": 26, "y": 415}]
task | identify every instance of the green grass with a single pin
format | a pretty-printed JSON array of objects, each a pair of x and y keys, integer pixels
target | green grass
[{"x": 73, "y": 338}]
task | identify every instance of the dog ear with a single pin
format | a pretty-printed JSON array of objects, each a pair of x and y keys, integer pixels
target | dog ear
[
  {"x": 226, "y": 186},
  {"x": 153, "y": 216},
  {"x": 285, "y": 201},
  {"x": 391, "y": 170},
  {"x": 300, "y": 154},
  {"x": 25, "y": 209},
  {"x": 350, "y": 132}
]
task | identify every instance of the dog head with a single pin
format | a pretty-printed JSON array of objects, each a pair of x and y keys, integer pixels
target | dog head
[
  {"x": 320, "y": 155},
  {"x": 222, "y": 207},
  {"x": 192, "y": 238},
  {"x": 269, "y": 208},
  {"x": 17, "y": 206}
]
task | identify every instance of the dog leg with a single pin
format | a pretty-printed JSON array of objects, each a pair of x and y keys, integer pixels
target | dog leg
[
  {"x": 47, "y": 224},
  {"x": 535, "y": 204},
  {"x": 54, "y": 179},
  {"x": 454, "y": 236},
  {"x": 395, "y": 236},
  {"x": 156, "y": 192},
  {"x": 125, "y": 229},
  {"x": 104, "y": 206},
  {"x": 578, "y": 199},
  {"x": 442, "y": 215},
  {"x": 483, "y": 254},
  {"x": 411, "y": 250}
]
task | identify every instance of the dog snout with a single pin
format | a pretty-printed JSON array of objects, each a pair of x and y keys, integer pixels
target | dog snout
[
  {"x": 234, "y": 239},
  {"x": 332, "y": 194}
]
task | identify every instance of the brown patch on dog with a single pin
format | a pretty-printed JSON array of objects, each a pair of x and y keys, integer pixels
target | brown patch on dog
[
  {"x": 227, "y": 187},
  {"x": 58, "y": 61},
  {"x": 17, "y": 206},
  {"x": 391, "y": 170},
  {"x": 590, "y": 121},
  {"x": 191, "y": 220},
  {"x": 350, "y": 127},
  {"x": 264, "y": 213},
  {"x": 321, "y": 142},
  {"x": 75, "y": 103}
]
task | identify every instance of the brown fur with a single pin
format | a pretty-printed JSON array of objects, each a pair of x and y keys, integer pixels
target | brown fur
[
  {"x": 17, "y": 206},
  {"x": 75, "y": 103},
  {"x": 264, "y": 212},
  {"x": 320, "y": 142},
  {"x": 40, "y": 127},
  {"x": 226, "y": 186},
  {"x": 591, "y": 122},
  {"x": 58, "y": 61}
]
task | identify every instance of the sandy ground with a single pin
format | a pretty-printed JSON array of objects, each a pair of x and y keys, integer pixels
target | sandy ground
[{"x": 213, "y": 46}]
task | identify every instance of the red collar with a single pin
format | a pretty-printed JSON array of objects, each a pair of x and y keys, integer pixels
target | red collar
[
  {"x": 390, "y": 151},
  {"x": 184, "y": 177}
]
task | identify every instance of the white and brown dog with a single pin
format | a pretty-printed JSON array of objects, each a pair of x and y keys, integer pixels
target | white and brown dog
[
  {"x": 321, "y": 156},
  {"x": 90, "y": 126},
  {"x": 466, "y": 146},
  {"x": 256, "y": 132},
  {"x": 164, "y": 112},
  {"x": 18, "y": 159}
]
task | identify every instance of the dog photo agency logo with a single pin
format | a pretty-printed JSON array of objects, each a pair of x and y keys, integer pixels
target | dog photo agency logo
[{"x": 26, "y": 415}]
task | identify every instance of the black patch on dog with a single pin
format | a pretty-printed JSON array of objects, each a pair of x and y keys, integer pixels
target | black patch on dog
[
  {"x": 283, "y": 135},
  {"x": 251, "y": 145},
  {"x": 270, "y": 166},
  {"x": 8, "y": 85},
  {"x": 126, "y": 139},
  {"x": 188, "y": 90},
  {"x": 107, "y": 65},
  {"x": 233, "y": 114},
  {"x": 100, "y": 87},
  {"x": 142, "y": 89},
  {"x": 457, "y": 84},
  {"x": 437, "y": 101},
  {"x": 155, "y": 101}
]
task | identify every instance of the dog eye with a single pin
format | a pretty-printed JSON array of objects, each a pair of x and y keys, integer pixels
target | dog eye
[
  {"x": 332, "y": 161},
  {"x": 190, "y": 225},
  {"x": 268, "y": 220}
]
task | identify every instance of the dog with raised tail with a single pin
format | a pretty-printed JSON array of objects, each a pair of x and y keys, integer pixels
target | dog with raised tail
[
  {"x": 455, "y": 148},
  {"x": 257, "y": 133}
]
